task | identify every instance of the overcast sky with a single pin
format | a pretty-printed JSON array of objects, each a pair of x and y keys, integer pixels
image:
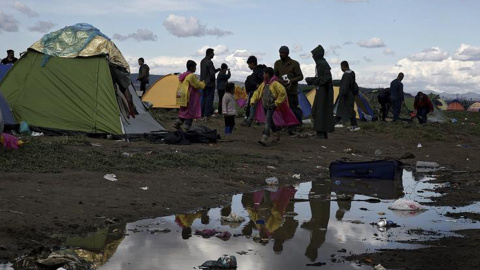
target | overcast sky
[{"x": 434, "y": 42}]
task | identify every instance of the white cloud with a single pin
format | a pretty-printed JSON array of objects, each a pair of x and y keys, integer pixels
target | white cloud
[
  {"x": 42, "y": 27},
  {"x": 190, "y": 27},
  {"x": 368, "y": 60},
  {"x": 218, "y": 50},
  {"x": 140, "y": 35},
  {"x": 297, "y": 48},
  {"x": 306, "y": 55},
  {"x": 430, "y": 54},
  {"x": 372, "y": 43},
  {"x": 25, "y": 9},
  {"x": 389, "y": 52},
  {"x": 467, "y": 53},
  {"x": 8, "y": 22},
  {"x": 333, "y": 49},
  {"x": 348, "y": 43}
]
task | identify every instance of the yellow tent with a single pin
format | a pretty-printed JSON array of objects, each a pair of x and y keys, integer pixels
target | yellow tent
[
  {"x": 336, "y": 90},
  {"x": 475, "y": 107},
  {"x": 163, "y": 93}
]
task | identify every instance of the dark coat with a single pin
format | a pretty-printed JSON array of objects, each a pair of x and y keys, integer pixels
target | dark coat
[
  {"x": 346, "y": 97},
  {"x": 222, "y": 79},
  {"x": 322, "y": 110},
  {"x": 396, "y": 90},
  {"x": 254, "y": 80},
  {"x": 291, "y": 68},
  {"x": 207, "y": 72}
]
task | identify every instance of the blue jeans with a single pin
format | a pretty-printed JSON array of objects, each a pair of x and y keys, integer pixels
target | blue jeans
[
  {"x": 269, "y": 124},
  {"x": 422, "y": 115},
  {"x": 208, "y": 95},
  {"x": 397, "y": 106}
]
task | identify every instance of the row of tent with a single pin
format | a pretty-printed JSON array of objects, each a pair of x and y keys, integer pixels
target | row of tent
[{"x": 74, "y": 79}]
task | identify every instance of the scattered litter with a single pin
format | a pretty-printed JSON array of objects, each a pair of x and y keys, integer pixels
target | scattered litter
[
  {"x": 419, "y": 145},
  {"x": 324, "y": 147},
  {"x": 206, "y": 233},
  {"x": 454, "y": 120},
  {"x": 382, "y": 222},
  {"x": 307, "y": 121},
  {"x": 148, "y": 152},
  {"x": 232, "y": 218},
  {"x": 379, "y": 267},
  {"x": 272, "y": 180},
  {"x": 159, "y": 230},
  {"x": 96, "y": 144},
  {"x": 290, "y": 214},
  {"x": 37, "y": 134},
  {"x": 126, "y": 154},
  {"x": 348, "y": 150},
  {"x": 427, "y": 164},
  {"x": 378, "y": 152},
  {"x": 144, "y": 188},
  {"x": 224, "y": 235},
  {"x": 110, "y": 177},
  {"x": 296, "y": 176},
  {"x": 444, "y": 185},
  {"x": 316, "y": 264},
  {"x": 224, "y": 262},
  {"x": 381, "y": 213},
  {"x": 451, "y": 220},
  {"x": 322, "y": 168},
  {"x": 260, "y": 221},
  {"x": 271, "y": 167},
  {"x": 242, "y": 252},
  {"x": 405, "y": 205},
  {"x": 24, "y": 128},
  {"x": 342, "y": 250}
]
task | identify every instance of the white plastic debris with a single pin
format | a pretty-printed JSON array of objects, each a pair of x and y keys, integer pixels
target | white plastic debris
[
  {"x": 427, "y": 164},
  {"x": 405, "y": 205},
  {"x": 419, "y": 145},
  {"x": 378, "y": 152},
  {"x": 232, "y": 218},
  {"x": 379, "y": 267},
  {"x": 126, "y": 154},
  {"x": 110, "y": 177},
  {"x": 272, "y": 180},
  {"x": 37, "y": 134},
  {"x": 271, "y": 167},
  {"x": 96, "y": 144},
  {"x": 296, "y": 176},
  {"x": 144, "y": 188}
]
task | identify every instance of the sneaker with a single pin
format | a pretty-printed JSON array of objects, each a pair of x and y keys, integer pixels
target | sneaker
[
  {"x": 276, "y": 137},
  {"x": 177, "y": 126},
  {"x": 339, "y": 126},
  {"x": 263, "y": 141},
  {"x": 246, "y": 123},
  {"x": 354, "y": 128}
]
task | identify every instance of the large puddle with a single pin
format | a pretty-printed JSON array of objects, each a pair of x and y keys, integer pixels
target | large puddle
[{"x": 284, "y": 228}]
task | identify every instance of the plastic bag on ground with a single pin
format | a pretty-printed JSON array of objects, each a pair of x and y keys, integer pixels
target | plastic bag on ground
[
  {"x": 232, "y": 218},
  {"x": 224, "y": 262},
  {"x": 406, "y": 205}
]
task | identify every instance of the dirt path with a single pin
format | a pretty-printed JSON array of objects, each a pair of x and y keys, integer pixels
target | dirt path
[{"x": 51, "y": 197}]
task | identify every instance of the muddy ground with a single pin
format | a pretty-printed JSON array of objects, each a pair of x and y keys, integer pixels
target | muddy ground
[{"x": 54, "y": 186}]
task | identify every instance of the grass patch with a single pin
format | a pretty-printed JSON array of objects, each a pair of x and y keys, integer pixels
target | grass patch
[{"x": 58, "y": 156}]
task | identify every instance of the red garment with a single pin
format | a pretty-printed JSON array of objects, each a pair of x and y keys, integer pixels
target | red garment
[{"x": 423, "y": 103}]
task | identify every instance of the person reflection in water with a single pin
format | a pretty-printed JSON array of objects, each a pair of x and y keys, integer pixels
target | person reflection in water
[
  {"x": 318, "y": 223},
  {"x": 344, "y": 202},
  {"x": 185, "y": 221},
  {"x": 266, "y": 210}
]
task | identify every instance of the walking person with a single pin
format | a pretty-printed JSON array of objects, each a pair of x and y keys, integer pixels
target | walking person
[
  {"x": 423, "y": 106},
  {"x": 207, "y": 74},
  {"x": 346, "y": 97},
  {"x": 229, "y": 110},
  {"x": 289, "y": 74},
  {"x": 252, "y": 82},
  {"x": 322, "y": 110},
  {"x": 188, "y": 97},
  {"x": 272, "y": 96},
  {"x": 397, "y": 95},
  {"x": 143, "y": 75},
  {"x": 222, "y": 79}
]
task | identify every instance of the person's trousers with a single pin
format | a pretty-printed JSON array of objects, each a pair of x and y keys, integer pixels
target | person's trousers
[
  {"x": 422, "y": 115},
  {"x": 229, "y": 124},
  {"x": 353, "y": 120},
  {"x": 269, "y": 124},
  {"x": 247, "y": 107},
  {"x": 397, "y": 106},
  {"x": 143, "y": 87},
  {"x": 221, "y": 93},
  {"x": 385, "y": 107},
  {"x": 208, "y": 95}
]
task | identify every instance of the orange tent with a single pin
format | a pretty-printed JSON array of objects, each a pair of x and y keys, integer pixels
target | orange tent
[{"x": 455, "y": 106}]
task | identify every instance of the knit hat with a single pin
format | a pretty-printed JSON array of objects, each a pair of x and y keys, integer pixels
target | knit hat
[{"x": 284, "y": 49}]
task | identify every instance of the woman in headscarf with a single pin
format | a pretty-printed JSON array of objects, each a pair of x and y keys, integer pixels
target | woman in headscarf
[{"x": 322, "y": 110}]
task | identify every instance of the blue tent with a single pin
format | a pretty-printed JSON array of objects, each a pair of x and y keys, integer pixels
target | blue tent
[
  {"x": 304, "y": 104},
  {"x": 6, "y": 112},
  {"x": 3, "y": 70}
]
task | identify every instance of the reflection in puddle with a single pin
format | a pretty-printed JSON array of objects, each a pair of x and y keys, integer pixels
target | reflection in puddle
[{"x": 283, "y": 228}]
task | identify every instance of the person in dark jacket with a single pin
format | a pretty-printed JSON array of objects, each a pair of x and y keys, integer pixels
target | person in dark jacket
[
  {"x": 322, "y": 109},
  {"x": 346, "y": 97},
  {"x": 385, "y": 102},
  {"x": 289, "y": 74},
  {"x": 423, "y": 106},
  {"x": 10, "y": 59},
  {"x": 397, "y": 95},
  {"x": 207, "y": 74},
  {"x": 222, "y": 80},
  {"x": 143, "y": 75},
  {"x": 252, "y": 82}
]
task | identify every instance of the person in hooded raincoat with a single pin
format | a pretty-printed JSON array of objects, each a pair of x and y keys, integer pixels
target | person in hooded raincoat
[
  {"x": 346, "y": 98},
  {"x": 322, "y": 110},
  {"x": 188, "y": 97}
]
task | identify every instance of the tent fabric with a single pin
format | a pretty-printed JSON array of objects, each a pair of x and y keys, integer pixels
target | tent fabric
[
  {"x": 6, "y": 112},
  {"x": 304, "y": 104},
  {"x": 79, "y": 40},
  {"x": 3, "y": 70},
  {"x": 362, "y": 107},
  {"x": 455, "y": 105},
  {"x": 372, "y": 98},
  {"x": 163, "y": 93},
  {"x": 475, "y": 107},
  {"x": 438, "y": 102}
]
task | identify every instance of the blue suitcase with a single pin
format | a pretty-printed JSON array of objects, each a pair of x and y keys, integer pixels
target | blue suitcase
[{"x": 379, "y": 169}]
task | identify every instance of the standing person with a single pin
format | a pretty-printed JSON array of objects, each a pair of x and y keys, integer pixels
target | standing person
[
  {"x": 143, "y": 75},
  {"x": 222, "y": 80},
  {"x": 188, "y": 97},
  {"x": 322, "y": 110},
  {"x": 423, "y": 106},
  {"x": 289, "y": 74},
  {"x": 385, "y": 102},
  {"x": 396, "y": 95},
  {"x": 252, "y": 82},
  {"x": 229, "y": 110},
  {"x": 346, "y": 98},
  {"x": 10, "y": 59},
  {"x": 207, "y": 74},
  {"x": 271, "y": 95}
]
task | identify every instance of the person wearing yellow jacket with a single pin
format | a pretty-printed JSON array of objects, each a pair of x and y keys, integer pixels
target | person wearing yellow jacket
[
  {"x": 188, "y": 97},
  {"x": 272, "y": 96}
]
